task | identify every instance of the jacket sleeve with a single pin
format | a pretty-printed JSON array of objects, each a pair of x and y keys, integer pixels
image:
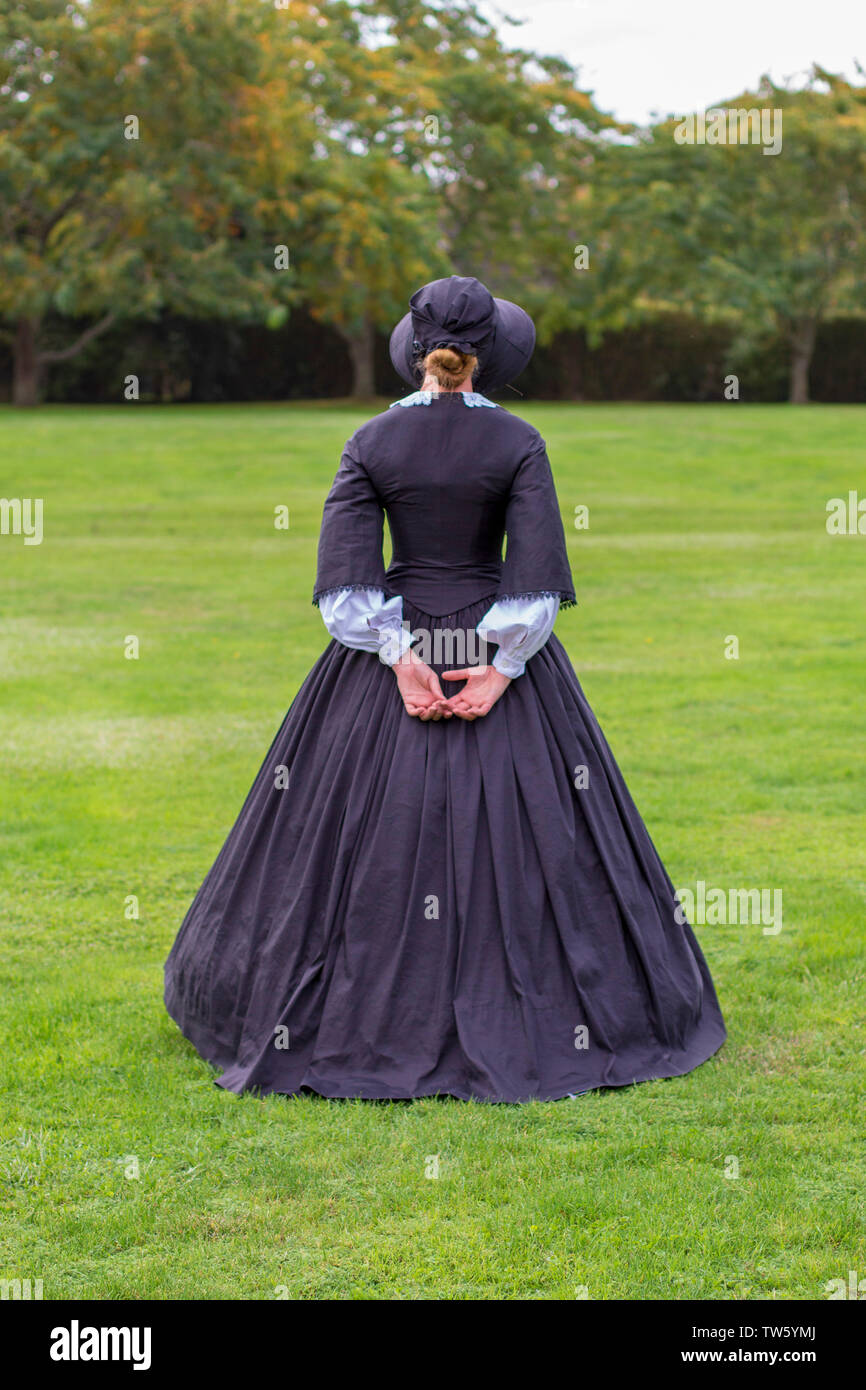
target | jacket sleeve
[
  {"x": 520, "y": 626},
  {"x": 361, "y": 618},
  {"x": 536, "y": 561},
  {"x": 350, "y": 541}
]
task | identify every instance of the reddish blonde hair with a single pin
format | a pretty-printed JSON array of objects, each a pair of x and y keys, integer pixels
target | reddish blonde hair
[{"x": 449, "y": 366}]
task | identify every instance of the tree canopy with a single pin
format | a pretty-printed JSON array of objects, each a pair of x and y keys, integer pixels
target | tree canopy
[{"x": 236, "y": 160}]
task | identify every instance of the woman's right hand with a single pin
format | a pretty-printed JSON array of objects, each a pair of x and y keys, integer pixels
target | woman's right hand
[
  {"x": 420, "y": 691},
  {"x": 484, "y": 686}
]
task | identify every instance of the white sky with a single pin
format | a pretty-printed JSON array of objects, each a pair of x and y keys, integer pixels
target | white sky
[{"x": 675, "y": 56}]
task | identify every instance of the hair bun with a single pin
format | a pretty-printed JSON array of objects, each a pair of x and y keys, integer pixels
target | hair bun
[{"x": 449, "y": 366}]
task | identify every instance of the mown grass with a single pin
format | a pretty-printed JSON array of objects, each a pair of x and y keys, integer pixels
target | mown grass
[{"x": 121, "y": 777}]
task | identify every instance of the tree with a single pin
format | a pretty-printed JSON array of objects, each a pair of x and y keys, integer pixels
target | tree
[
  {"x": 505, "y": 137},
  {"x": 776, "y": 240},
  {"x": 363, "y": 225},
  {"x": 439, "y": 149},
  {"x": 375, "y": 241},
  {"x": 155, "y": 154},
  {"x": 127, "y": 130}
]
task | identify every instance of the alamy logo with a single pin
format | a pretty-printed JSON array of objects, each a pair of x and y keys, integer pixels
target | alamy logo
[
  {"x": 854, "y": 1289},
  {"x": 22, "y": 516},
  {"x": 733, "y": 125},
  {"x": 846, "y": 516},
  {"x": 76, "y": 1343},
  {"x": 20, "y": 1289},
  {"x": 445, "y": 646},
  {"x": 744, "y": 906}
]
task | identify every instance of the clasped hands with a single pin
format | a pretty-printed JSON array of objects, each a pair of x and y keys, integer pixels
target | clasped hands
[{"x": 424, "y": 698}]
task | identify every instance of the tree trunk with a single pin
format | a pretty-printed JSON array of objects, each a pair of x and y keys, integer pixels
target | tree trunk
[
  {"x": 802, "y": 348},
  {"x": 361, "y": 344},
  {"x": 27, "y": 369}
]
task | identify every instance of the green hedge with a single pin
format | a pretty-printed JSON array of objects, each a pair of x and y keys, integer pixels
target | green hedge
[{"x": 670, "y": 358}]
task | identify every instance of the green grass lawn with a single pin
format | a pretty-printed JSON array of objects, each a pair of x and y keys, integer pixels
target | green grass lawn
[{"x": 122, "y": 777}]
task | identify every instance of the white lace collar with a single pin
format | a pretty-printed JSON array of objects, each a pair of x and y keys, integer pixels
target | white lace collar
[{"x": 470, "y": 398}]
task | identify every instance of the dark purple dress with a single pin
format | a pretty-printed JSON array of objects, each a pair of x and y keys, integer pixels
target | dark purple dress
[{"x": 410, "y": 909}]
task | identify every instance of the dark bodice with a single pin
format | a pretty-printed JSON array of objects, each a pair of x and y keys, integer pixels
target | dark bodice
[{"x": 453, "y": 480}]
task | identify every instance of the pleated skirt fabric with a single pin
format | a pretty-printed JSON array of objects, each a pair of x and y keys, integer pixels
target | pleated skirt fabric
[{"x": 407, "y": 909}]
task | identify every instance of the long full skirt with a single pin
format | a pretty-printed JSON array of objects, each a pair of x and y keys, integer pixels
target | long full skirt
[{"x": 407, "y": 909}]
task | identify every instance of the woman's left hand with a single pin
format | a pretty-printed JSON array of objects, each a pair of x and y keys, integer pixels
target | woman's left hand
[
  {"x": 484, "y": 685},
  {"x": 420, "y": 691}
]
